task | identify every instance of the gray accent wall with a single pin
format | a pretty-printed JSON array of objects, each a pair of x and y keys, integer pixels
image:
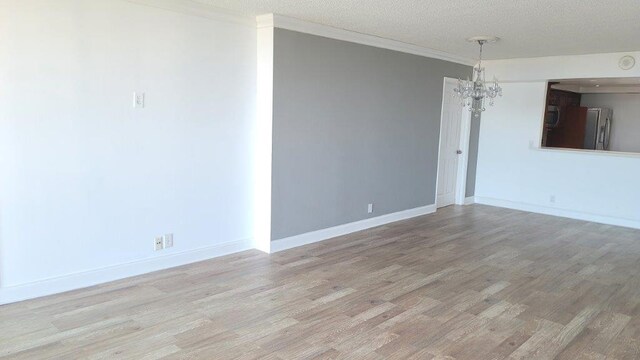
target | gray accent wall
[
  {"x": 474, "y": 137},
  {"x": 352, "y": 125}
]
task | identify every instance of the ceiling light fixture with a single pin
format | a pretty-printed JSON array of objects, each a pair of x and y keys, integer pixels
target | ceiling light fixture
[{"x": 472, "y": 94}]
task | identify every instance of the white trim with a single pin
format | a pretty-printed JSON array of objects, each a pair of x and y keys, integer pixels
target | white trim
[
  {"x": 284, "y": 22},
  {"x": 469, "y": 200},
  {"x": 263, "y": 150},
  {"x": 324, "y": 234},
  {"x": 463, "y": 161},
  {"x": 567, "y": 213},
  {"x": 195, "y": 9},
  {"x": 116, "y": 272},
  {"x": 265, "y": 21},
  {"x": 444, "y": 89},
  {"x": 463, "y": 144}
]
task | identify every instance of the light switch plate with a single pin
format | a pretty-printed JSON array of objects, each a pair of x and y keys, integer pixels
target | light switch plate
[
  {"x": 168, "y": 240},
  {"x": 138, "y": 100}
]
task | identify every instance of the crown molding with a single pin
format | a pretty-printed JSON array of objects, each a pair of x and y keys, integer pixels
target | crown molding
[
  {"x": 288, "y": 23},
  {"x": 265, "y": 21},
  {"x": 196, "y": 9}
]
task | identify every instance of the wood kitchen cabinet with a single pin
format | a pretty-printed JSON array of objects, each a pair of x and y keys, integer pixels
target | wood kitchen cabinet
[{"x": 570, "y": 131}]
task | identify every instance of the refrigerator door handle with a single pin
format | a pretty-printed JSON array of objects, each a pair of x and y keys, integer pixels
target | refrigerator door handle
[
  {"x": 601, "y": 135},
  {"x": 607, "y": 130}
]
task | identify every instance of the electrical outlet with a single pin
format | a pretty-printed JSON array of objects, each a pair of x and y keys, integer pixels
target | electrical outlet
[
  {"x": 168, "y": 240},
  {"x": 138, "y": 100},
  {"x": 370, "y": 208},
  {"x": 159, "y": 243}
]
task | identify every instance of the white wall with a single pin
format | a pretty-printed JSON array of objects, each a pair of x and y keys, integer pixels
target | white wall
[
  {"x": 514, "y": 172},
  {"x": 625, "y": 130},
  {"x": 86, "y": 181}
]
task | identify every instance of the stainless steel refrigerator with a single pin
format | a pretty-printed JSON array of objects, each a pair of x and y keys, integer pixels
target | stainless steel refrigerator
[{"x": 598, "y": 129}]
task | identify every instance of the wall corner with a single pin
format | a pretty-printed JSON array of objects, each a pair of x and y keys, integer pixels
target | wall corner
[{"x": 264, "y": 130}]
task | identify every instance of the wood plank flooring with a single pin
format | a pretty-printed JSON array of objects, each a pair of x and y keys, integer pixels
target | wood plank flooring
[{"x": 471, "y": 282}]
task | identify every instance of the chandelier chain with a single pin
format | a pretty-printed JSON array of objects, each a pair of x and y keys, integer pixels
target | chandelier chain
[{"x": 481, "y": 42}]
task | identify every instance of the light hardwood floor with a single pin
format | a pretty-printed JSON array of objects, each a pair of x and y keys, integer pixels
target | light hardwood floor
[{"x": 471, "y": 282}]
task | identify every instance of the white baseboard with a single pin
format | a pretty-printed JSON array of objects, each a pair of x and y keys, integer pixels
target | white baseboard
[
  {"x": 324, "y": 234},
  {"x": 116, "y": 272},
  {"x": 469, "y": 200},
  {"x": 572, "y": 214}
]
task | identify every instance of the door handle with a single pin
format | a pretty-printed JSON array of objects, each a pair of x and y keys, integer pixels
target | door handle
[
  {"x": 458, "y": 152},
  {"x": 601, "y": 139},
  {"x": 607, "y": 130}
]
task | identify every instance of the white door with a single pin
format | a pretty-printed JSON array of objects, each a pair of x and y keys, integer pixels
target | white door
[{"x": 450, "y": 149}]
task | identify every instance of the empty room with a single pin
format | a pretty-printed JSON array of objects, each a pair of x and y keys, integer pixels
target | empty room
[{"x": 320, "y": 179}]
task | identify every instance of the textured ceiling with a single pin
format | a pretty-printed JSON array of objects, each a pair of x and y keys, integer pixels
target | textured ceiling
[{"x": 528, "y": 28}]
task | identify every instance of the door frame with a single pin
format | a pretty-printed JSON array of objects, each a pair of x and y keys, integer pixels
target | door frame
[{"x": 463, "y": 144}]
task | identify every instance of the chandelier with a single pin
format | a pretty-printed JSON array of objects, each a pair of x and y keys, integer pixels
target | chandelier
[{"x": 473, "y": 94}]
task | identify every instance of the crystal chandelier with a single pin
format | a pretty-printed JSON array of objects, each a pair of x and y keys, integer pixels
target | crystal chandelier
[{"x": 472, "y": 94}]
